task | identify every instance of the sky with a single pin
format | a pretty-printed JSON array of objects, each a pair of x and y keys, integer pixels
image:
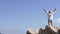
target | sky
[{"x": 17, "y": 16}]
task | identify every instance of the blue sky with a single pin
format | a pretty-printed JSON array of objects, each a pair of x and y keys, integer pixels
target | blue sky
[{"x": 17, "y": 16}]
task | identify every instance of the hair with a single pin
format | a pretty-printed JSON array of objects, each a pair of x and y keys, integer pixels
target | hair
[{"x": 49, "y": 12}]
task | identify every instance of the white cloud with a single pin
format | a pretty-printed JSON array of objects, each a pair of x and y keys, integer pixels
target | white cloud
[{"x": 57, "y": 20}]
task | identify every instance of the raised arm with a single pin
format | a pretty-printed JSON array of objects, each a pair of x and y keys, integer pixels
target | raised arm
[
  {"x": 54, "y": 10},
  {"x": 45, "y": 10}
]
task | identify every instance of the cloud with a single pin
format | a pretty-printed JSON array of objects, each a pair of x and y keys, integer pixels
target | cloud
[{"x": 57, "y": 20}]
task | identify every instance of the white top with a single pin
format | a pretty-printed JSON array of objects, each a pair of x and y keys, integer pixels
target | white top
[{"x": 50, "y": 16}]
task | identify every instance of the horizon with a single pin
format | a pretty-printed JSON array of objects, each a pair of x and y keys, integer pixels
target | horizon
[{"x": 17, "y": 16}]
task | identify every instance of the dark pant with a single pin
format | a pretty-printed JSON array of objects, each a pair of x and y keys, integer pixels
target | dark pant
[{"x": 50, "y": 21}]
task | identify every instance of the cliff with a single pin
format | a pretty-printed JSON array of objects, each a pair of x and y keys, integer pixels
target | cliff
[{"x": 47, "y": 30}]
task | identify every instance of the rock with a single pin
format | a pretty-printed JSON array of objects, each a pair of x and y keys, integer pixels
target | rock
[
  {"x": 47, "y": 30},
  {"x": 33, "y": 31}
]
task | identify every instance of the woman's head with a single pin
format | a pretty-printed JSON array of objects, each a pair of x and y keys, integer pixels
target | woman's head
[{"x": 49, "y": 12}]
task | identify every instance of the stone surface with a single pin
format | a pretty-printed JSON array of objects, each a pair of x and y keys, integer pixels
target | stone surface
[{"x": 47, "y": 30}]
